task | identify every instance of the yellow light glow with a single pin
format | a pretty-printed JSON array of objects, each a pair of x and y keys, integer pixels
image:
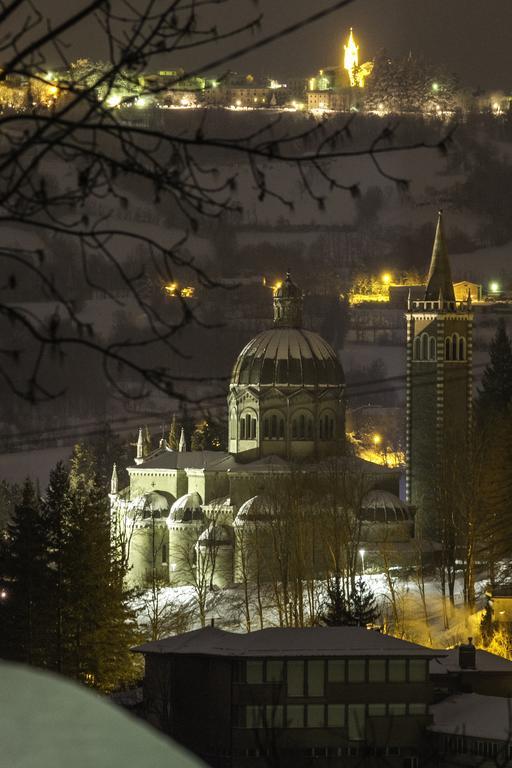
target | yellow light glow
[
  {"x": 171, "y": 288},
  {"x": 238, "y": 103},
  {"x": 494, "y": 287},
  {"x": 351, "y": 58},
  {"x": 386, "y": 278},
  {"x": 188, "y": 292},
  {"x": 113, "y": 100},
  {"x": 435, "y": 86},
  {"x": 277, "y": 286},
  {"x": 53, "y": 90},
  {"x": 377, "y": 439}
]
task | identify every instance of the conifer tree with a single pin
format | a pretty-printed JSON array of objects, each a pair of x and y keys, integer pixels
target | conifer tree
[
  {"x": 22, "y": 637},
  {"x": 363, "y": 607},
  {"x": 100, "y": 624},
  {"x": 56, "y": 520},
  {"x": 495, "y": 394},
  {"x": 174, "y": 434},
  {"x": 488, "y": 625},
  {"x": 336, "y": 608}
]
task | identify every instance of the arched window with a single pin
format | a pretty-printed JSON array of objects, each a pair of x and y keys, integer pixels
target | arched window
[
  {"x": 462, "y": 348},
  {"x": 327, "y": 426},
  {"x": 432, "y": 348},
  {"x": 164, "y": 554},
  {"x": 242, "y": 429},
  {"x": 273, "y": 427},
  {"x": 447, "y": 349},
  {"x": 248, "y": 426},
  {"x": 455, "y": 346},
  {"x": 417, "y": 348},
  {"x": 302, "y": 426},
  {"x": 266, "y": 429},
  {"x": 424, "y": 346}
]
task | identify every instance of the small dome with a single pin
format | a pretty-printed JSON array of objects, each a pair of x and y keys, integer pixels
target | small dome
[
  {"x": 186, "y": 509},
  {"x": 288, "y": 357},
  {"x": 384, "y": 507},
  {"x": 215, "y": 536},
  {"x": 156, "y": 504},
  {"x": 255, "y": 509}
]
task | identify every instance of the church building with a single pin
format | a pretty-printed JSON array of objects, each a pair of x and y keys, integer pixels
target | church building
[{"x": 286, "y": 411}]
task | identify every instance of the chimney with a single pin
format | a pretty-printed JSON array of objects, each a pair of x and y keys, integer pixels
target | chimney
[{"x": 467, "y": 655}]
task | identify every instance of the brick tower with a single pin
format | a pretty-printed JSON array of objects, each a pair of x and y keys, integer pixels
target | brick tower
[{"x": 439, "y": 386}]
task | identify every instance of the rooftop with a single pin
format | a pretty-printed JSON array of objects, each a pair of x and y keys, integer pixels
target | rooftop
[
  {"x": 471, "y": 714},
  {"x": 485, "y": 662},
  {"x": 286, "y": 642}
]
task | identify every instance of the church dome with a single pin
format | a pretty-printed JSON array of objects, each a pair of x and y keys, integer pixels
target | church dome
[
  {"x": 254, "y": 510},
  {"x": 186, "y": 509},
  {"x": 215, "y": 536},
  {"x": 384, "y": 507},
  {"x": 157, "y": 504},
  {"x": 288, "y": 357}
]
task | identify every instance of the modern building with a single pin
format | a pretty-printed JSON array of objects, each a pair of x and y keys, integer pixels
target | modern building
[
  {"x": 288, "y": 697},
  {"x": 438, "y": 387},
  {"x": 467, "y": 669}
]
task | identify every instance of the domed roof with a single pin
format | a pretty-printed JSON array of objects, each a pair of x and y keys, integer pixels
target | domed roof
[
  {"x": 186, "y": 508},
  {"x": 157, "y": 504},
  {"x": 288, "y": 357},
  {"x": 215, "y": 535},
  {"x": 255, "y": 509},
  {"x": 383, "y": 506}
]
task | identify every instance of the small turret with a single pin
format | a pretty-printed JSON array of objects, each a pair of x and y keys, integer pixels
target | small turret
[
  {"x": 114, "y": 481},
  {"x": 182, "y": 445},
  {"x": 288, "y": 304}
]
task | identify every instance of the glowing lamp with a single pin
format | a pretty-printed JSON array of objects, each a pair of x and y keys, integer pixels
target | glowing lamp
[
  {"x": 494, "y": 287},
  {"x": 386, "y": 278},
  {"x": 277, "y": 286},
  {"x": 377, "y": 439},
  {"x": 171, "y": 288},
  {"x": 435, "y": 86}
]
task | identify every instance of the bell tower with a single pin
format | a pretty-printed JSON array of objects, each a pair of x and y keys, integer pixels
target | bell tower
[{"x": 438, "y": 386}]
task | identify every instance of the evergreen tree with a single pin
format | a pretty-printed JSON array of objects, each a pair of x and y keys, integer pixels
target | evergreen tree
[
  {"x": 174, "y": 434},
  {"x": 56, "y": 520},
  {"x": 363, "y": 607},
  {"x": 24, "y": 565},
  {"x": 336, "y": 608},
  {"x": 495, "y": 394},
  {"x": 100, "y": 625}
]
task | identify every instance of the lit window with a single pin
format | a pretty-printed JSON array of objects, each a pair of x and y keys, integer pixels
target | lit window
[
  {"x": 397, "y": 670},
  {"x": 377, "y": 670},
  {"x": 315, "y": 678},
  {"x": 356, "y": 670},
  {"x": 295, "y": 677},
  {"x": 356, "y": 722},
  {"x": 335, "y": 715},
  {"x": 417, "y": 670},
  {"x": 295, "y": 716},
  {"x": 315, "y": 715},
  {"x": 254, "y": 672},
  {"x": 336, "y": 671},
  {"x": 274, "y": 671}
]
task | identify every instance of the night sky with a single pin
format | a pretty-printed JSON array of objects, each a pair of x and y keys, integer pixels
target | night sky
[{"x": 470, "y": 37}]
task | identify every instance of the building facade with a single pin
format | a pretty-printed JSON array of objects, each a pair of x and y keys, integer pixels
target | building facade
[{"x": 288, "y": 697}]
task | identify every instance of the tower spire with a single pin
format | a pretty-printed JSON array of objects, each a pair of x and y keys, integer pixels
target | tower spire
[
  {"x": 140, "y": 445},
  {"x": 114, "y": 482},
  {"x": 183, "y": 445},
  {"x": 440, "y": 276}
]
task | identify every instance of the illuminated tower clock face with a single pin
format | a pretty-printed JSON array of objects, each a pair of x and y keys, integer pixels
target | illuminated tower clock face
[{"x": 351, "y": 59}]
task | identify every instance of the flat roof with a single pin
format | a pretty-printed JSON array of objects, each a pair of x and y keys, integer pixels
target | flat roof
[
  {"x": 471, "y": 714},
  {"x": 287, "y": 642}
]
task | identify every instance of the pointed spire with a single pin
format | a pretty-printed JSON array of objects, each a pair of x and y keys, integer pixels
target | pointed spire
[
  {"x": 440, "y": 275},
  {"x": 114, "y": 481},
  {"x": 409, "y": 299},
  {"x": 140, "y": 445},
  {"x": 163, "y": 441},
  {"x": 288, "y": 304},
  {"x": 183, "y": 445}
]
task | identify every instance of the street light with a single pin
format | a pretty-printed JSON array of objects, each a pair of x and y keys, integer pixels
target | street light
[
  {"x": 377, "y": 439},
  {"x": 362, "y": 553},
  {"x": 386, "y": 278},
  {"x": 494, "y": 287}
]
